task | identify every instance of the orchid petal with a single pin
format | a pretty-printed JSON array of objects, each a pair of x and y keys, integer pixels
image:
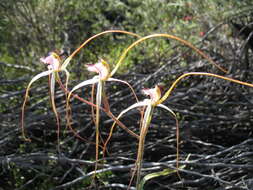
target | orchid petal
[
  {"x": 146, "y": 102},
  {"x": 53, "y": 61},
  {"x": 67, "y": 77},
  {"x": 154, "y": 93},
  {"x": 122, "y": 81},
  {"x": 84, "y": 83},
  {"x": 52, "y": 91},
  {"x": 168, "y": 109},
  {"x": 38, "y": 76},
  {"x": 99, "y": 93},
  {"x": 177, "y": 128},
  {"x": 52, "y": 85},
  {"x": 65, "y": 63}
]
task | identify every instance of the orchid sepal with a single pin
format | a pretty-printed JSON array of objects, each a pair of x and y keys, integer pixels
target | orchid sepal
[
  {"x": 94, "y": 80},
  {"x": 66, "y": 62}
]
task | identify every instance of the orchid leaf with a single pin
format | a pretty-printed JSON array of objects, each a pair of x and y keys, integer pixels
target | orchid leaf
[
  {"x": 52, "y": 86},
  {"x": 165, "y": 172}
]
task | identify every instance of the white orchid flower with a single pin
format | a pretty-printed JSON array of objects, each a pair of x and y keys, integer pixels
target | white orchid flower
[{"x": 54, "y": 66}]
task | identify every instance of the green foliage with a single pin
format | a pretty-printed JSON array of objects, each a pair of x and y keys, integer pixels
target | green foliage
[{"x": 31, "y": 28}]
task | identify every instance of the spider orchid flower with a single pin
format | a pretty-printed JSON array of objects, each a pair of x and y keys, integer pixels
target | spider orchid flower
[
  {"x": 153, "y": 93},
  {"x": 149, "y": 105},
  {"x": 102, "y": 68},
  {"x": 54, "y": 66},
  {"x": 53, "y": 61}
]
